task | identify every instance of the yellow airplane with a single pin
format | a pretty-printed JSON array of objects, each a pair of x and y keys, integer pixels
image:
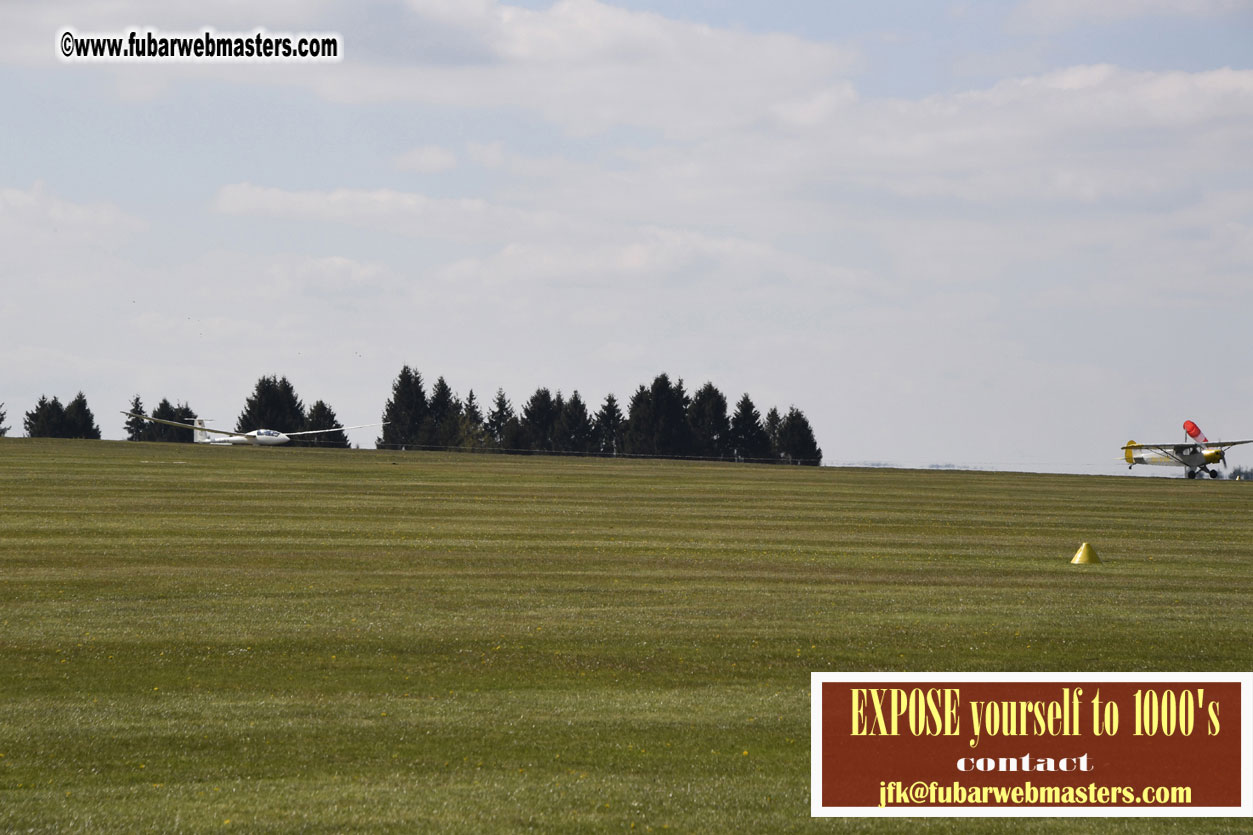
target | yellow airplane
[{"x": 1194, "y": 455}]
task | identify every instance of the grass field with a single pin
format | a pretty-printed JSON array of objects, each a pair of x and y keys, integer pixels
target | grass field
[{"x": 204, "y": 639}]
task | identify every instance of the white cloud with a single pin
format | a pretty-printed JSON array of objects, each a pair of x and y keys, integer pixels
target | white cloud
[
  {"x": 1056, "y": 15},
  {"x": 960, "y": 187},
  {"x": 1085, "y": 135},
  {"x": 427, "y": 159},
  {"x": 650, "y": 260},
  {"x": 584, "y": 65},
  {"x": 332, "y": 277},
  {"x": 674, "y": 78},
  {"x": 56, "y": 251},
  {"x": 407, "y": 213},
  {"x": 36, "y": 218}
]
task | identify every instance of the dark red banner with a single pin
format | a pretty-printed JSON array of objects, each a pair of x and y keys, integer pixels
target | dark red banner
[{"x": 1109, "y": 744}]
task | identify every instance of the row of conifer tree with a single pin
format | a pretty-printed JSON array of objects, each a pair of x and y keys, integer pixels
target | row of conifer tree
[
  {"x": 51, "y": 419},
  {"x": 659, "y": 420}
]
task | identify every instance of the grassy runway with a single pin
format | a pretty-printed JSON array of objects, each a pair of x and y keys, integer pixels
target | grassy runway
[{"x": 200, "y": 640}]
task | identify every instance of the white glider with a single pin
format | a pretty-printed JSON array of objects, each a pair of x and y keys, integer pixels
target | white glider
[{"x": 257, "y": 437}]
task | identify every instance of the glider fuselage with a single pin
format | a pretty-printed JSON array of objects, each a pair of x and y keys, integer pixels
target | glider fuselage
[{"x": 257, "y": 437}]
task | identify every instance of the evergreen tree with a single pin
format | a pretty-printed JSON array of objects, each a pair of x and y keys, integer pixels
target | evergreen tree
[
  {"x": 559, "y": 406},
  {"x": 674, "y": 435},
  {"x": 272, "y": 405},
  {"x": 772, "y": 432},
  {"x": 137, "y": 429},
  {"x": 4, "y": 430},
  {"x": 79, "y": 422},
  {"x": 574, "y": 426},
  {"x": 539, "y": 421},
  {"x": 609, "y": 427},
  {"x": 46, "y": 420},
  {"x": 443, "y": 417},
  {"x": 796, "y": 440},
  {"x": 657, "y": 421},
  {"x": 472, "y": 434},
  {"x": 322, "y": 416},
  {"x": 514, "y": 438},
  {"x": 405, "y": 412},
  {"x": 749, "y": 441},
  {"x": 499, "y": 419},
  {"x": 159, "y": 431},
  {"x": 184, "y": 414},
  {"x": 710, "y": 427},
  {"x": 449, "y": 435},
  {"x": 470, "y": 409},
  {"x": 637, "y": 435},
  {"x": 178, "y": 414}
]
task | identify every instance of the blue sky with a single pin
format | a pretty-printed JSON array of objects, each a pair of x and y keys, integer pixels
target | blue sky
[{"x": 1007, "y": 235}]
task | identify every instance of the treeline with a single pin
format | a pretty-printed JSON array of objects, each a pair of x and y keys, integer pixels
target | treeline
[
  {"x": 273, "y": 404},
  {"x": 49, "y": 419},
  {"x": 660, "y": 420},
  {"x": 138, "y": 429}
]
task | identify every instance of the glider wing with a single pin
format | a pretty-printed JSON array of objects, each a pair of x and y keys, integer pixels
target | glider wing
[
  {"x": 186, "y": 425},
  {"x": 335, "y": 429}
]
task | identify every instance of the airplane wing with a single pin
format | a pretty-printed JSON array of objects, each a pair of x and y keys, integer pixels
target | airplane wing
[
  {"x": 185, "y": 425},
  {"x": 1167, "y": 449},
  {"x": 336, "y": 429},
  {"x": 1180, "y": 449},
  {"x": 1225, "y": 444}
]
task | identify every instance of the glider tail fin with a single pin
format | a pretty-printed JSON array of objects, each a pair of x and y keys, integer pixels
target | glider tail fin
[{"x": 201, "y": 436}]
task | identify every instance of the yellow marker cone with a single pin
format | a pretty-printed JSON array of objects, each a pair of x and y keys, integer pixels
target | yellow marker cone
[{"x": 1085, "y": 555}]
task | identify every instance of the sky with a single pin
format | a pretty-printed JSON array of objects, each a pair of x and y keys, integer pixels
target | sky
[{"x": 1005, "y": 235}]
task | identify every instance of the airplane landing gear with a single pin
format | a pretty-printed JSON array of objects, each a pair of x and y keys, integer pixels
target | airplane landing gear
[{"x": 1191, "y": 473}]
